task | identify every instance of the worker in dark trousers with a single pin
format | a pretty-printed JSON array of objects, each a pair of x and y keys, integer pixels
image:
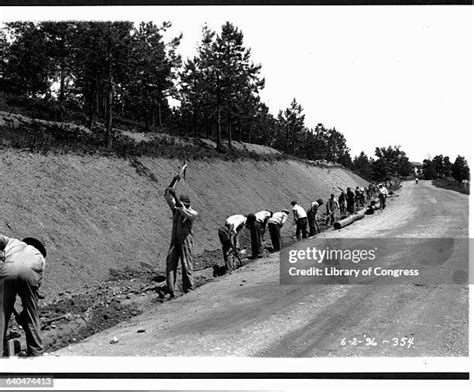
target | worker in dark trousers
[
  {"x": 262, "y": 218},
  {"x": 350, "y": 200},
  {"x": 255, "y": 236},
  {"x": 367, "y": 193},
  {"x": 383, "y": 194},
  {"x": 181, "y": 247},
  {"x": 21, "y": 273},
  {"x": 228, "y": 236},
  {"x": 362, "y": 195},
  {"x": 342, "y": 203},
  {"x": 358, "y": 200},
  {"x": 312, "y": 215},
  {"x": 236, "y": 223},
  {"x": 300, "y": 219},
  {"x": 275, "y": 223},
  {"x": 228, "y": 248}
]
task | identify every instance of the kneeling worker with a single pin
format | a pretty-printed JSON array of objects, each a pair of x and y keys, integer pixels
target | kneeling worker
[
  {"x": 21, "y": 272},
  {"x": 275, "y": 223}
]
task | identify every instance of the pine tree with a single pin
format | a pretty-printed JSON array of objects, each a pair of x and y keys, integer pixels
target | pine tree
[
  {"x": 460, "y": 169},
  {"x": 152, "y": 72},
  {"x": 292, "y": 126},
  {"x": 28, "y": 65}
]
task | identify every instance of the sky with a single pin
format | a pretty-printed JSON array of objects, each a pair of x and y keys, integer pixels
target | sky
[{"x": 381, "y": 75}]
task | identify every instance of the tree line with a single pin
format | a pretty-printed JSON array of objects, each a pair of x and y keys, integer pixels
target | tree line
[
  {"x": 118, "y": 72},
  {"x": 441, "y": 167}
]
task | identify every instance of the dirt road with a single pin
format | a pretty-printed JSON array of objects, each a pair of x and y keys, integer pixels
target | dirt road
[{"x": 248, "y": 313}]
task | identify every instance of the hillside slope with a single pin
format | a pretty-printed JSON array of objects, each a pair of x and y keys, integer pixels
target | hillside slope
[{"x": 98, "y": 213}]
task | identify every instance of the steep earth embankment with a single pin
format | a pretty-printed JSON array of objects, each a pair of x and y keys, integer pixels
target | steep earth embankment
[{"x": 98, "y": 213}]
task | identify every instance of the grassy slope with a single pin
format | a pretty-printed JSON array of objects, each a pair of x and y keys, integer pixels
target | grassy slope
[
  {"x": 451, "y": 185},
  {"x": 97, "y": 213}
]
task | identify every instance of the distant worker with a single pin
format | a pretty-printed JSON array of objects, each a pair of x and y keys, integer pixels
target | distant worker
[
  {"x": 300, "y": 219},
  {"x": 350, "y": 200},
  {"x": 416, "y": 180},
  {"x": 331, "y": 208},
  {"x": 368, "y": 192},
  {"x": 342, "y": 203},
  {"x": 358, "y": 197},
  {"x": 383, "y": 194},
  {"x": 228, "y": 236},
  {"x": 374, "y": 190},
  {"x": 362, "y": 195},
  {"x": 312, "y": 215},
  {"x": 275, "y": 223},
  {"x": 21, "y": 273},
  {"x": 181, "y": 247}
]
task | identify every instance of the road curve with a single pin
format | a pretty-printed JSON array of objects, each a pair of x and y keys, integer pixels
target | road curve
[{"x": 248, "y": 313}]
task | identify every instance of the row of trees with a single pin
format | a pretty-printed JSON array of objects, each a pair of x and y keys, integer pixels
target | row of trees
[
  {"x": 116, "y": 69},
  {"x": 96, "y": 68},
  {"x": 110, "y": 69},
  {"x": 441, "y": 166},
  {"x": 388, "y": 162}
]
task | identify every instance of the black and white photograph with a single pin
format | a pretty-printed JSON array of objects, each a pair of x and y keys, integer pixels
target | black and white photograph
[{"x": 235, "y": 188}]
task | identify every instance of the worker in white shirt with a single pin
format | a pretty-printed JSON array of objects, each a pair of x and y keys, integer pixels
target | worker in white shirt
[
  {"x": 236, "y": 223},
  {"x": 21, "y": 273},
  {"x": 300, "y": 219},
  {"x": 257, "y": 228},
  {"x": 228, "y": 235},
  {"x": 383, "y": 193},
  {"x": 275, "y": 223},
  {"x": 262, "y": 218}
]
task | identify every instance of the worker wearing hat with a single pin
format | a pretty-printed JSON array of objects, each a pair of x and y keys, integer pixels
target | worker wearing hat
[
  {"x": 383, "y": 194},
  {"x": 312, "y": 214},
  {"x": 275, "y": 223},
  {"x": 332, "y": 206},
  {"x": 21, "y": 272},
  {"x": 181, "y": 247}
]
